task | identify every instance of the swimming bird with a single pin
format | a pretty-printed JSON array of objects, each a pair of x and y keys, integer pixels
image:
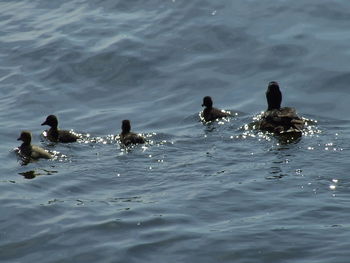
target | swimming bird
[
  {"x": 29, "y": 151},
  {"x": 127, "y": 137},
  {"x": 56, "y": 135},
  {"x": 210, "y": 113},
  {"x": 276, "y": 119}
]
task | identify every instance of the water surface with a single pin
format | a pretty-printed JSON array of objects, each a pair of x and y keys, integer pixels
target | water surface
[{"x": 195, "y": 192}]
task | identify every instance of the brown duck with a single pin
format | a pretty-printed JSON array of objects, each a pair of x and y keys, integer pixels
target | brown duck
[
  {"x": 56, "y": 135},
  {"x": 276, "y": 119},
  {"x": 210, "y": 113},
  {"x": 29, "y": 151},
  {"x": 127, "y": 137}
]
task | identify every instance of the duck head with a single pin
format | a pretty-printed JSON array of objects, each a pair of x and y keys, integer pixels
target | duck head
[
  {"x": 26, "y": 137},
  {"x": 126, "y": 126},
  {"x": 207, "y": 102},
  {"x": 273, "y": 96},
  {"x": 51, "y": 121}
]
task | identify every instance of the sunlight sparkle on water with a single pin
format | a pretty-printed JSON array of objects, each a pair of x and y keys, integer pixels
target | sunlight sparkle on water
[{"x": 332, "y": 187}]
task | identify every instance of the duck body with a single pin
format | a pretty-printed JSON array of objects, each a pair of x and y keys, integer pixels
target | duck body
[
  {"x": 283, "y": 120},
  {"x": 210, "y": 113},
  {"x": 29, "y": 151},
  {"x": 56, "y": 135},
  {"x": 131, "y": 138},
  {"x": 127, "y": 137}
]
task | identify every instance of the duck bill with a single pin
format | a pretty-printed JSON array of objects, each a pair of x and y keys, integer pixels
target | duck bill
[
  {"x": 19, "y": 139},
  {"x": 44, "y": 123}
]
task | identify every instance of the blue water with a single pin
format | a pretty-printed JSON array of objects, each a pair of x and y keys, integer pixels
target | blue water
[{"x": 195, "y": 192}]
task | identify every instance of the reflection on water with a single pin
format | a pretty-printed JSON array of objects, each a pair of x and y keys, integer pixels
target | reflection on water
[
  {"x": 289, "y": 138},
  {"x": 88, "y": 139},
  {"x": 29, "y": 174},
  {"x": 279, "y": 167},
  {"x": 39, "y": 172}
]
